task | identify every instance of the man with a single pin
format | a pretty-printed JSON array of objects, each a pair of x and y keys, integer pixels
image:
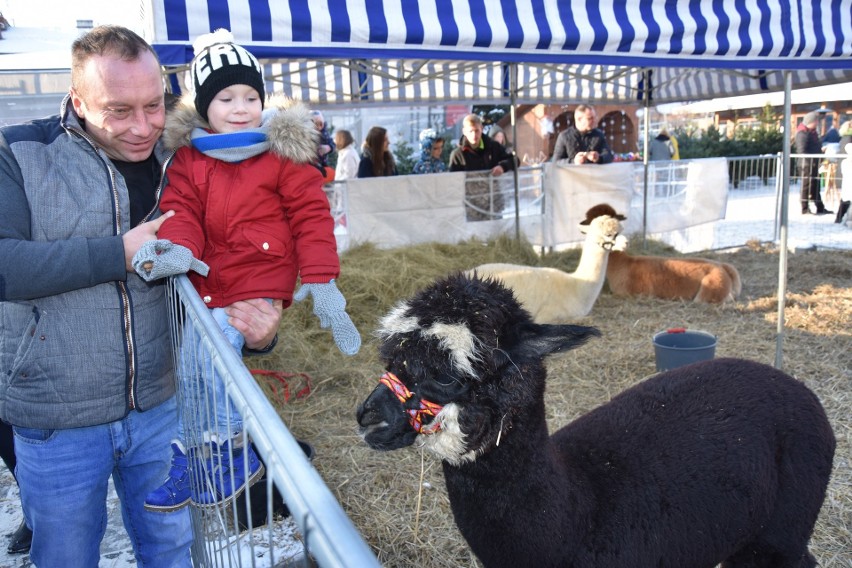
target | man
[
  {"x": 86, "y": 376},
  {"x": 478, "y": 153},
  {"x": 583, "y": 143},
  {"x": 807, "y": 142}
]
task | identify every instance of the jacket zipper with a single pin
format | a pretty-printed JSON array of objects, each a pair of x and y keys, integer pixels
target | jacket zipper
[{"x": 127, "y": 316}]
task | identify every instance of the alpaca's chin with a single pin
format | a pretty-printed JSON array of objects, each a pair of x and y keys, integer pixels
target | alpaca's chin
[{"x": 380, "y": 437}]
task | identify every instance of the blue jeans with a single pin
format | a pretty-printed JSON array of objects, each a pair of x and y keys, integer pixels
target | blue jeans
[
  {"x": 63, "y": 476},
  {"x": 205, "y": 400}
]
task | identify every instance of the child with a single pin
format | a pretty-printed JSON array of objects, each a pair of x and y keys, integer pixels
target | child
[
  {"x": 249, "y": 203},
  {"x": 325, "y": 146}
]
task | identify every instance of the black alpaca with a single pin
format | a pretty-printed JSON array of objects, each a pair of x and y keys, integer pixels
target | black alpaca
[{"x": 725, "y": 461}]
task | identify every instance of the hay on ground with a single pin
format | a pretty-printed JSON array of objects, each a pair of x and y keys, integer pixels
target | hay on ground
[{"x": 398, "y": 500}]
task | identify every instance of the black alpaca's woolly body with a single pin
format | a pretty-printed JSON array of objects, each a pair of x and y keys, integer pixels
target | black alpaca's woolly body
[{"x": 725, "y": 461}]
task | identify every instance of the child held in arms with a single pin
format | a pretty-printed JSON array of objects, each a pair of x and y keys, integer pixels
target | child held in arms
[{"x": 249, "y": 207}]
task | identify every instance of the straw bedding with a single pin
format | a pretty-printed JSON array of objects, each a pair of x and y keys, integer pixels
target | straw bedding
[{"x": 397, "y": 500}]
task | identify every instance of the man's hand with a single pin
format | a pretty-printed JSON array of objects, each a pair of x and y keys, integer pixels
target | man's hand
[
  {"x": 497, "y": 170},
  {"x": 139, "y": 235},
  {"x": 593, "y": 156},
  {"x": 580, "y": 158},
  {"x": 256, "y": 319}
]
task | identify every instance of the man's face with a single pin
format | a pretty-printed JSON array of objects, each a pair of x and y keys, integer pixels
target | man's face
[
  {"x": 585, "y": 121},
  {"x": 122, "y": 104},
  {"x": 472, "y": 132}
]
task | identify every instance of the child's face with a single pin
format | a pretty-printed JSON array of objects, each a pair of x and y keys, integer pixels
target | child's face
[{"x": 235, "y": 108}]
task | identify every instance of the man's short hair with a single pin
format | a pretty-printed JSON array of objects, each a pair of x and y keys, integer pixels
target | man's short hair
[
  {"x": 116, "y": 40},
  {"x": 473, "y": 118},
  {"x": 582, "y": 109}
]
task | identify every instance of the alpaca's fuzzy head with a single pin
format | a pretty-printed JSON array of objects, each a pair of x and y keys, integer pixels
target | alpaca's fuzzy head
[
  {"x": 604, "y": 231},
  {"x": 465, "y": 348}
]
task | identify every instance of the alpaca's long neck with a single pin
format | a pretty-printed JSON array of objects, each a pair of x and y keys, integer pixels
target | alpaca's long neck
[{"x": 588, "y": 278}]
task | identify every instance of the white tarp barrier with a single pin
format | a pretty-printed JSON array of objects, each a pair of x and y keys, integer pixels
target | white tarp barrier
[
  {"x": 572, "y": 190},
  {"x": 402, "y": 210}
]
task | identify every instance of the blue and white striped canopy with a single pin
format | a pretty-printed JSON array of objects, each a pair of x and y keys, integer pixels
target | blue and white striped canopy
[{"x": 408, "y": 51}]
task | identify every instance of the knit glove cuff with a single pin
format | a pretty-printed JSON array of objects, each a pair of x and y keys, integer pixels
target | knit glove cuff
[
  {"x": 161, "y": 258},
  {"x": 329, "y": 307}
]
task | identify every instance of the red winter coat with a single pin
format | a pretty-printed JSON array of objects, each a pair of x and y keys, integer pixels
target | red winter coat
[{"x": 258, "y": 223}]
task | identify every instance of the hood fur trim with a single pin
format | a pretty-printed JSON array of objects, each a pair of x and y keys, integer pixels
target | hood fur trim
[{"x": 291, "y": 130}]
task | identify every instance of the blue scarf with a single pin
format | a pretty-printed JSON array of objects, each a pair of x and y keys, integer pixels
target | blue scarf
[{"x": 231, "y": 146}]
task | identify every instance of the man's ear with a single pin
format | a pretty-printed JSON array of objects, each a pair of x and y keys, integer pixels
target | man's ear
[{"x": 77, "y": 103}]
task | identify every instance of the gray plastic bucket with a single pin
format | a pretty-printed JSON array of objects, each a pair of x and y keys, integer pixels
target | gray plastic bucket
[{"x": 678, "y": 346}]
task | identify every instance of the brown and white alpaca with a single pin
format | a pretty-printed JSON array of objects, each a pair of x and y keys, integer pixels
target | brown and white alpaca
[
  {"x": 697, "y": 279},
  {"x": 554, "y": 296}
]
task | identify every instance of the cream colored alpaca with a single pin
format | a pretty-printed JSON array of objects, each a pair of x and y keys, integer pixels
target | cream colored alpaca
[{"x": 554, "y": 296}]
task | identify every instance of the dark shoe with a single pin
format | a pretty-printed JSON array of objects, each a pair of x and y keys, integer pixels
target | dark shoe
[
  {"x": 21, "y": 540},
  {"x": 175, "y": 492},
  {"x": 824, "y": 211},
  {"x": 841, "y": 211},
  {"x": 806, "y": 211},
  {"x": 258, "y": 497}
]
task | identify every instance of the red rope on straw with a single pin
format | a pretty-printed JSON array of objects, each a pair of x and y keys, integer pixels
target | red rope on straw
[{"x": 277, "y": 381}]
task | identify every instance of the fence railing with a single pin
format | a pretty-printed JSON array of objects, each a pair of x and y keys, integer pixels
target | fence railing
[{"x": 231, "y": 534}]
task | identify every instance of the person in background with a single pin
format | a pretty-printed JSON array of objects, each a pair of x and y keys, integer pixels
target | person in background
[
  {"x": 476, "y": 152},
  {"x": 250, "y": 206},
  {"x": 431, "y": 148},
  {"x": 376, "y": 160},
  {"x": 661, "y": 147},
  {"x": 676, "y": 150},
  {"x": 846, "y": 187},
  {"x": 583, "y": 143},
  {"x": 347, "y": 156},
  {"x": 807, "y": 142},
  {"x": 88, "y": 381},
  {"x": 499, "y": 135},
  {"x": 325, "y": 146}
]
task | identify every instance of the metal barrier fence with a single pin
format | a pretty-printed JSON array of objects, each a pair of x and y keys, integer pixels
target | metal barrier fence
[{"x": 245, "y": 531}]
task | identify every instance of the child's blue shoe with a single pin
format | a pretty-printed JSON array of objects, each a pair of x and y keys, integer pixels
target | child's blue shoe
[
  {"x": 228, "y": 473},
  {"x": 175, "y": 492}
]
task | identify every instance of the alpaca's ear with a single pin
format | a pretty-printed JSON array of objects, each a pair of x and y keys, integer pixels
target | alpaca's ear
[{"x": 537, "y": 341}]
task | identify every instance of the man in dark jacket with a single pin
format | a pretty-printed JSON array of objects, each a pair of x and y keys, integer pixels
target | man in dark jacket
[
  {"x": 583, "y": 143},
  {"x": 478, "y": 153},
  {"x": 807, "y": 142}
]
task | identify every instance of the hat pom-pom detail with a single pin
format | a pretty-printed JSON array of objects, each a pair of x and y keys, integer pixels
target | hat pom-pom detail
[{"x": 203, "y": 42}]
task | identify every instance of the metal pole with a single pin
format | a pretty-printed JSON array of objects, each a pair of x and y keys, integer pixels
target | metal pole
[
  {"x": 647, "y": 138},
  {"x": 513, "y": 88},
  {"x": 785, "y": 194}
]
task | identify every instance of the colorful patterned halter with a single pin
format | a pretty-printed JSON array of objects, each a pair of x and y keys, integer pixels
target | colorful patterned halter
[{"x": 415, "y": 415}]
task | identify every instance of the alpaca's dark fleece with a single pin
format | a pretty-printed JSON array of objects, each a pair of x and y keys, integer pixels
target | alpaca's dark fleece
[{"x": 724, "y": 461}]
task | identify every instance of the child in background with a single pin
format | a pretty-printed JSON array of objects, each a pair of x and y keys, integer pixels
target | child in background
[
  {"x": 325, "y": 146},
  {"x": 431, "y": 148},
  {"x": 249, "y": 203}
]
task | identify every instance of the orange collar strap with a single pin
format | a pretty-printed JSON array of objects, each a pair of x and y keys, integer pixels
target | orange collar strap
[{"x": 415, "y": 415}]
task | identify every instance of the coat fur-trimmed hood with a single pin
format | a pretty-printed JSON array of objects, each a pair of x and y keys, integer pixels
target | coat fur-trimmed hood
[{"x": 291, "y": 131}]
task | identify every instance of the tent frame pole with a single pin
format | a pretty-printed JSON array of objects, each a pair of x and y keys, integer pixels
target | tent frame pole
[
  {"x": 646, "y": 93},
  {"x": 783, "y": 220},
  {"x": 513, "y": 89}
]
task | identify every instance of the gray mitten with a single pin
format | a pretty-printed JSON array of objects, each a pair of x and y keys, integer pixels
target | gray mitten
[
  {"x": 161, "y": 258},
  {"x": 329, "y": 306}
]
